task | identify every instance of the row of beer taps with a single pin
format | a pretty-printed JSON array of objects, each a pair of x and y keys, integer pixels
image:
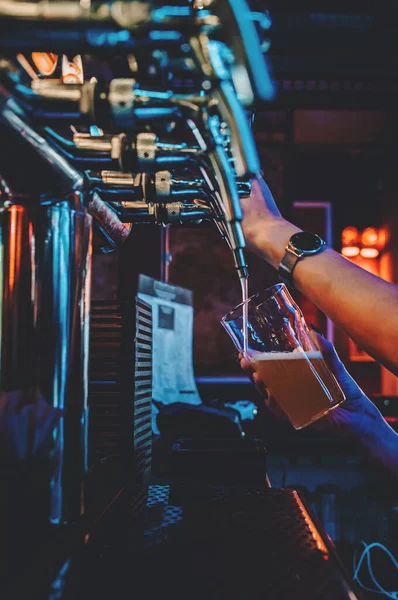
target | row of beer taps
[{"x": 138, "y": 151}]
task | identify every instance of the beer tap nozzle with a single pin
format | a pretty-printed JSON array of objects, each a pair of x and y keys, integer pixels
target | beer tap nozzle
[{"x": 226, "y": 205}]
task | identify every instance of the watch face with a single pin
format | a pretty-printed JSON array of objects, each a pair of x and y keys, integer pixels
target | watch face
[{"x": 306, "y": 242}]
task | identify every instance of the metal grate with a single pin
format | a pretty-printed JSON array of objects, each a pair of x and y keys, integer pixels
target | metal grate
[
  {"x": 235, "y": 543},
  {"x": 104, "y": 380},
  {"x": 120, "y": 387}
]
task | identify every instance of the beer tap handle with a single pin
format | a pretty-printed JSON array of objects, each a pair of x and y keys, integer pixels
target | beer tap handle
[
  {"x": 225, "y": 192},
  {"x": 243, "y": 146},
  {"x": 249, "y": 71}
]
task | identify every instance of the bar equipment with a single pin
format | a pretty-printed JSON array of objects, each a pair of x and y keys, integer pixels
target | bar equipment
[{"x": 94, "y": 147}]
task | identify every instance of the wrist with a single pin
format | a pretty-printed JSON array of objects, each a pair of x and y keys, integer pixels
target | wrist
[{"x": 269, "y": 237}]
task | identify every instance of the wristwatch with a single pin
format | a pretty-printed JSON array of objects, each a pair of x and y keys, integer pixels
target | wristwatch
[{"x": 300, "y": 245}]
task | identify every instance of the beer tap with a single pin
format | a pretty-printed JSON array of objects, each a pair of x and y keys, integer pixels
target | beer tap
[
  {"x": 220, "y": 168},
  {"x": 139, "y": 212},
  {"x": 162, "y": 186},
  {"x": 160, "y": 198},
  {"x": 119, "y": 104},
  {"x": 144, "y": 151},
  {"x": 226, "y": 198},
  {"x": 119, "y": 200}
]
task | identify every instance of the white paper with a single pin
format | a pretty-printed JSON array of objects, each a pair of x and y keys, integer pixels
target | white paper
[{"x": 173, "y": 377}]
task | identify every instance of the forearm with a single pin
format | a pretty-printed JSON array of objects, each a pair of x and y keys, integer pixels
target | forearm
[{"x": 365, "y": 306}]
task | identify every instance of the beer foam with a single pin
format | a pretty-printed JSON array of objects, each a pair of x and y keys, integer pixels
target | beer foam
[{"x": 313, "y": 355}]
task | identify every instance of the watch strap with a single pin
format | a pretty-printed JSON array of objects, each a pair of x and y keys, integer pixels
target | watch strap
[{"x": 287, "y": 265}]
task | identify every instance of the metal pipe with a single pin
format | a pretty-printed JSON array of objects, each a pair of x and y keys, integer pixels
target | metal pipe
[
  {"x": 65, "y": 282},
  {"x": 70, "y": 180},
  {"x": 249, "y": 72},
  {"x": 18, "y": 298},
  {"x": 243, "y": 146},
  {"x": 44, "y": 317}
]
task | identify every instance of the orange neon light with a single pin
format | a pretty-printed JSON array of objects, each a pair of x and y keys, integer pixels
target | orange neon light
[
  {"x": 350, "y": 236},
  {"x": 367, "y": 243},
  {"x": 350, "y": 251},
  {"x": 370, "y": 236},
  {"x": 369, "y": 252}
]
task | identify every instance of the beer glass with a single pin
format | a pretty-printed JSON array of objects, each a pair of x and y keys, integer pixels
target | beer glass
[{"x": 285, "y": 354}]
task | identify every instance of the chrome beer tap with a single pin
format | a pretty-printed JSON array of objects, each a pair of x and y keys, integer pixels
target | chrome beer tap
[{"x": 144, "y": 151}]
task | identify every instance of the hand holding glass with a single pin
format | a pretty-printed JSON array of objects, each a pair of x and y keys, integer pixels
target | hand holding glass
[{"x": 285, "y": 355}]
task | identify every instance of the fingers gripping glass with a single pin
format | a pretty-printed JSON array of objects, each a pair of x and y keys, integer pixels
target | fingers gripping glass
[{"x": 284, "y": 353}]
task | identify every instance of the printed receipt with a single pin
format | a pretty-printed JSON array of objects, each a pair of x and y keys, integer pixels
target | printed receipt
[{"x": 173, "y": 377}]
